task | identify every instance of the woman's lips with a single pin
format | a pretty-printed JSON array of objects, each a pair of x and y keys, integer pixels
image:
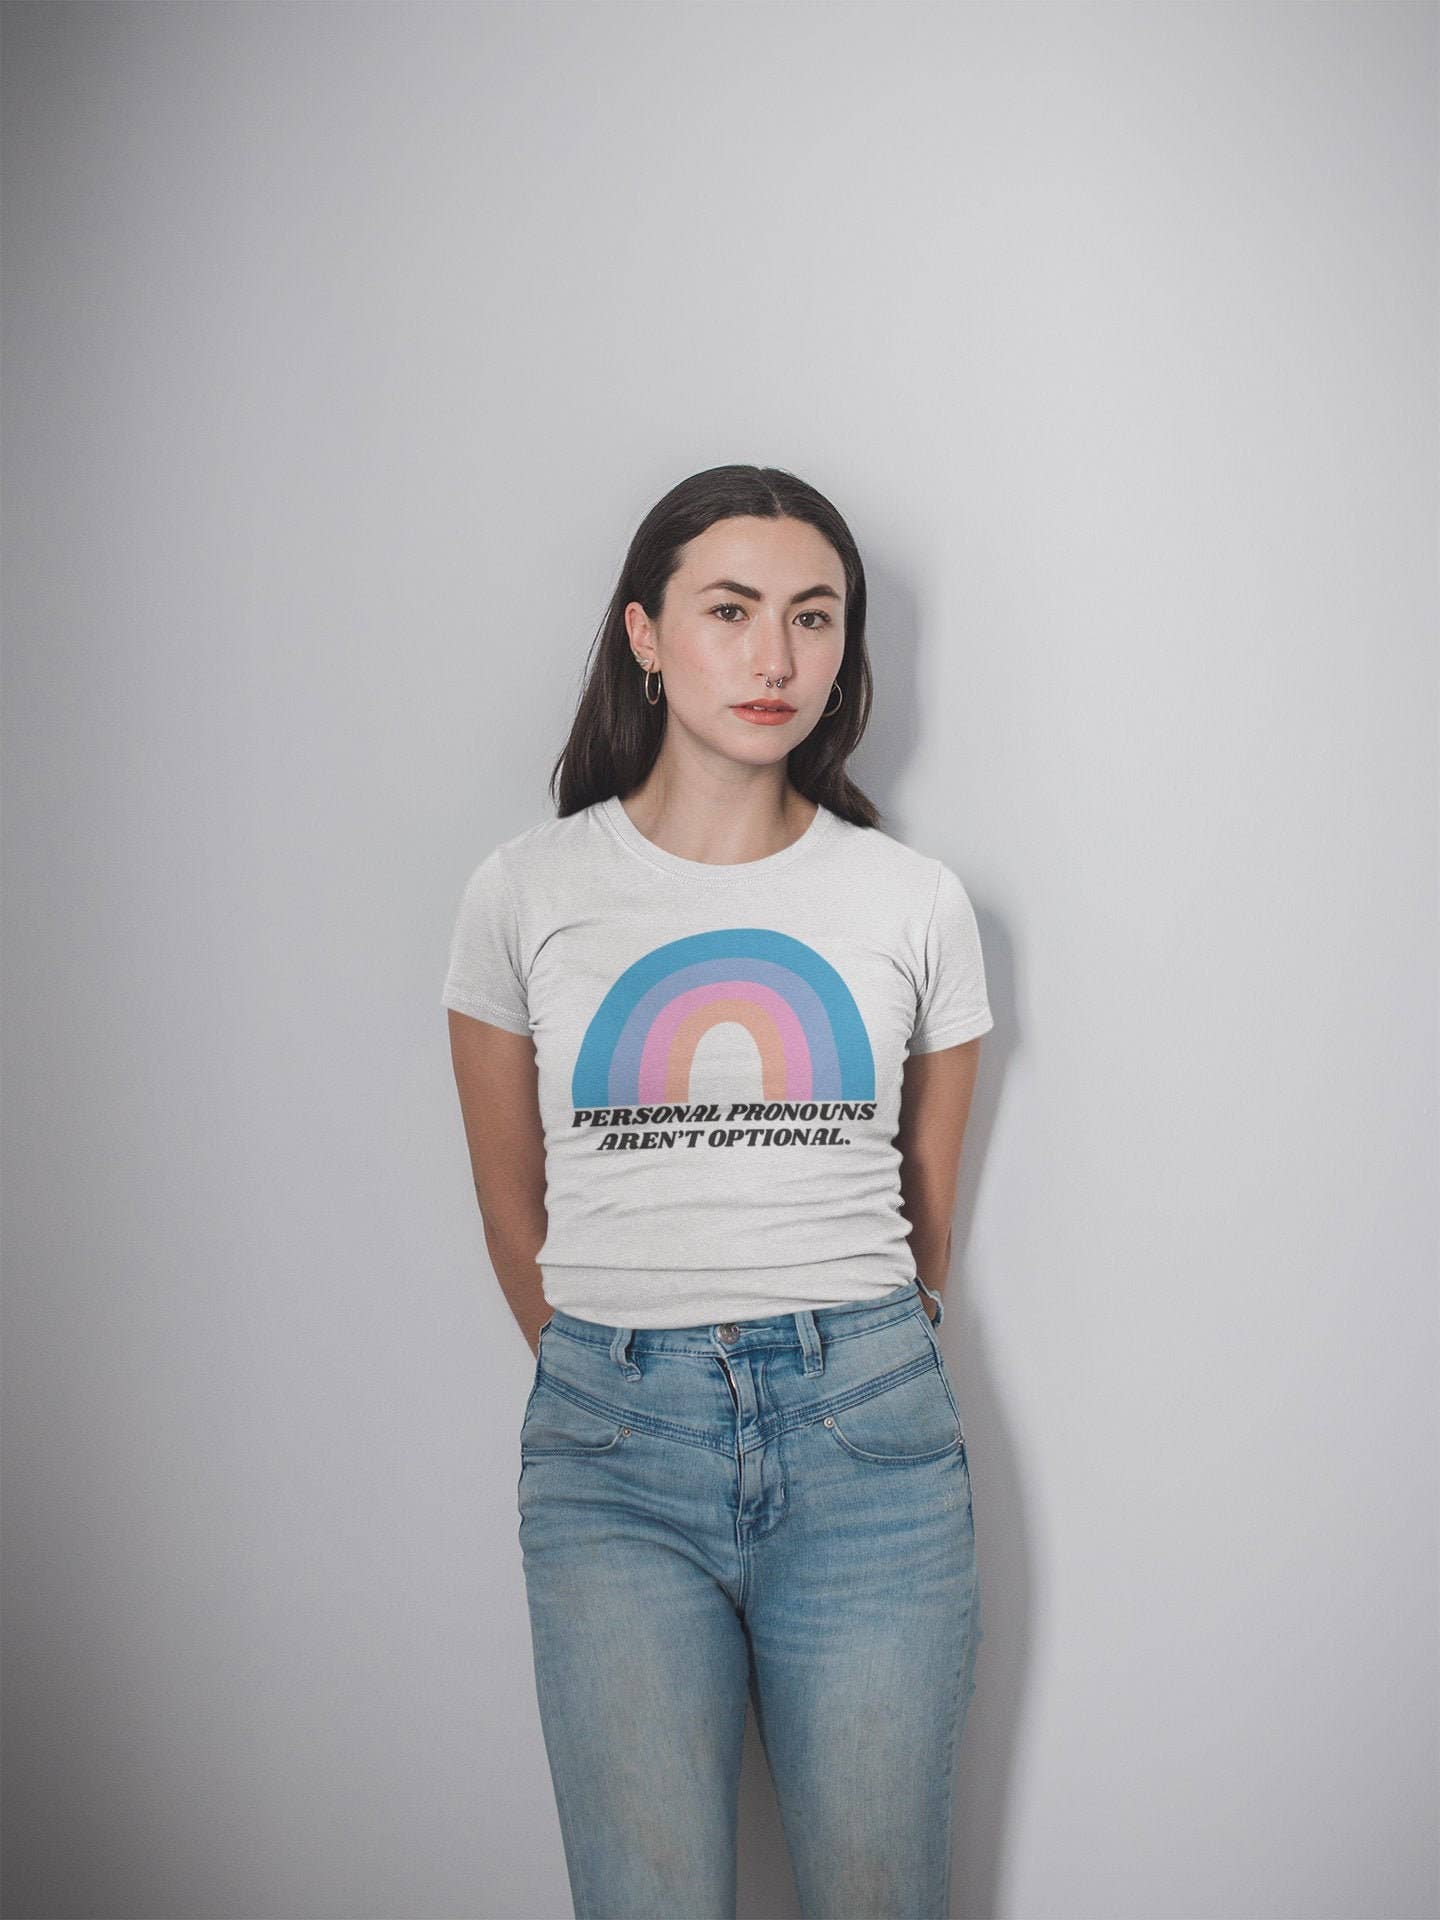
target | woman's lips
[{"x": 765, "y": 718}]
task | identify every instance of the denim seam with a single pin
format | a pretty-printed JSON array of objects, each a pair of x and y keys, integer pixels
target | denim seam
[
  {"x": 769, "y": 1429},
  {"x": 940, "y": 1363},
  {"x": 964, "y": 1683},
  {"x": 858, "y": 1395},
  {"x": 639, "y": 1422},
  {"x": 802, "y": 1417},
  {"x": 898, "y": 1459}
]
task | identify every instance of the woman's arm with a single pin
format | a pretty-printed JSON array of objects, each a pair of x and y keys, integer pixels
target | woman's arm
[
  {"x": 498, "y": 1082},
  {"x": 934, "y": 1110}
]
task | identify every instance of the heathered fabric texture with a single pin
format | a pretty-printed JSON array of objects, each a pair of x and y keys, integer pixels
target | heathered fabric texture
[{"x": 720, "y": 1054}]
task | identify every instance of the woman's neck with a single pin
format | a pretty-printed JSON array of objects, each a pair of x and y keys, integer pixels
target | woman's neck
[{"x": 722, "y": 824}]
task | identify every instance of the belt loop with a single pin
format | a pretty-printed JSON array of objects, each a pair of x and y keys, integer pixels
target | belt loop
[
  {"x": 619, "y": 1352},
  {"x": 939, "y": 1303},
  {"x": 809, "y": 1341}
]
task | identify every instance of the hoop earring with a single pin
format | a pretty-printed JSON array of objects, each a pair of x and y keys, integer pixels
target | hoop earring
[
  {"x": 838, "y": 704},
  {"x": 656, "y": 701}
]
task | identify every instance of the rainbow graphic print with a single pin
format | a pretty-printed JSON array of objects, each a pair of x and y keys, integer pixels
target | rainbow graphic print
[{"x": 811, "y": 1042}]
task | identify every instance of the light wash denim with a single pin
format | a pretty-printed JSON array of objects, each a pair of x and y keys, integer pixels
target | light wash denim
[{"x": 776, "y": 1509}]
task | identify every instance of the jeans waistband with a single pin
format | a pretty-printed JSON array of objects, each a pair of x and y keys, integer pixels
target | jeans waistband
[{"x": 805, "y": 1330}]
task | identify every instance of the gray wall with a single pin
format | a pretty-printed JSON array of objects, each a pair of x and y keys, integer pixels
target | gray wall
[{"x": 343, "y": 347}]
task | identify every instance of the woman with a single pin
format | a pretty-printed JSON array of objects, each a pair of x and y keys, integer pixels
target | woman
[{"x": 715, "y": 1036}]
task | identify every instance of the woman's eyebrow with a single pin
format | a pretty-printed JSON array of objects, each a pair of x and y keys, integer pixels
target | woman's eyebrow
[{"x": 754, "y": 593}]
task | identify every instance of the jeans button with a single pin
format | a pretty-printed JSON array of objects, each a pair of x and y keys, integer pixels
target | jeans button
[{"x": 728, "y": 1332}]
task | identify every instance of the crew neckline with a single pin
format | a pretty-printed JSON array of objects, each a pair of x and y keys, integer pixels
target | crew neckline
[{"x": 626, "y": 830}]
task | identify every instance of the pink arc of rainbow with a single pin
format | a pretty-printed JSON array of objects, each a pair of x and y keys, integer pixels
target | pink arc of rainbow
[{"x": 680, "y": 1026}]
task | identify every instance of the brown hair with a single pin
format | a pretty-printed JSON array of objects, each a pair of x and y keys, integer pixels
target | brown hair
[{"x": 616, "y": 734}]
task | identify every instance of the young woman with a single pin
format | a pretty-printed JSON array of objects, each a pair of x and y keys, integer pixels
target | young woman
[{"x": 715, "y": 1036}]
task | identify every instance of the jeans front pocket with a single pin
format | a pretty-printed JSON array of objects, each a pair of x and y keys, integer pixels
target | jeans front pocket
[
  {"x": 904, "y": 1422},
  {"x": 560, "y": 1421}
]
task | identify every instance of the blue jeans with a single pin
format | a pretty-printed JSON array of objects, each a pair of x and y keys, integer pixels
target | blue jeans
[{"x": 775, "y": 1509}]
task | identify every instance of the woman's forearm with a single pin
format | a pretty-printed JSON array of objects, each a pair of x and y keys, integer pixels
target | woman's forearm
[
  {"x": 513, "y": 1258},
  {"x": 930, "y": 1246}
]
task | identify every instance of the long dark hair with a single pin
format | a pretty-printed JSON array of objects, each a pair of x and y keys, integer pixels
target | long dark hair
[{"x": 616, "y": 733}]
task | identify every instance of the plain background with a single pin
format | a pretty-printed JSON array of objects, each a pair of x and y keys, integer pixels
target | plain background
[{"x": 344, "y": 347}]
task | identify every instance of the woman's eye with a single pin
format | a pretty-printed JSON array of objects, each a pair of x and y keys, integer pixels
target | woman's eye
[{"x": 733, "y": 606}]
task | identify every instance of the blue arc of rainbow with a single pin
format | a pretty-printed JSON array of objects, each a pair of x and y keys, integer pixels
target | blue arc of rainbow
[{"x": 640, "y": 1046}]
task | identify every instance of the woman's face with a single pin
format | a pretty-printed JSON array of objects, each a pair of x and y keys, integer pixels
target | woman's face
[{"x": 751, "y": 599}]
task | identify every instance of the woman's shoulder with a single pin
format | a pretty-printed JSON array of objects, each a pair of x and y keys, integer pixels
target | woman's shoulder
[
  {"x": 882, "y": 852},
  {"x": 555, "y": 836}
]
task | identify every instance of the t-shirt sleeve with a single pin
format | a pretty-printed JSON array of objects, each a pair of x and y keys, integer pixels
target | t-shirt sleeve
[
  {"x": 952, "y": 1004},
  {"x": 486, "y": 976}
]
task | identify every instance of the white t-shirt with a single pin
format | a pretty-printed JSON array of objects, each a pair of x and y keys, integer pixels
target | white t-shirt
[{"x": 720, "y": 1052}]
